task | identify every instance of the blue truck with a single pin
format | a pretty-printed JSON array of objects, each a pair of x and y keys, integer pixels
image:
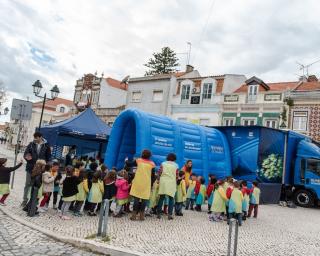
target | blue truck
[
  {"x": 274, "y": 156},
  {"x": 278, "y": 159}
]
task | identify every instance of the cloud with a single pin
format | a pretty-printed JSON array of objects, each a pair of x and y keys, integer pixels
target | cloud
[{"x": 58, "y": 41}]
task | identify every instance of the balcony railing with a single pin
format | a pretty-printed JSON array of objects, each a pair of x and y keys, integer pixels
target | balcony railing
[{"x": 251, "y": 98}]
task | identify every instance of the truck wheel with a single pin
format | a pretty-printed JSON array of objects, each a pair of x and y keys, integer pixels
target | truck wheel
[{"x": 304, "y": 198}]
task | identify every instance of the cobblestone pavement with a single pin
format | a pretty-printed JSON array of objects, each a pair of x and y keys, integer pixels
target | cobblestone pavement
[
  {"x": 277, "y": 231},
  {"x": 19, "y": 240}
]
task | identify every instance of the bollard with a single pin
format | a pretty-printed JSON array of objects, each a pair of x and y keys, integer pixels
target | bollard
[
  {"x": 233, "y": 222},
  {"x": 103, "y": 218}
]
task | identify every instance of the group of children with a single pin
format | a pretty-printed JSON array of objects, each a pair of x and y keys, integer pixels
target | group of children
[
  {"x": 233, "y": 199},
  {"x": 84, "y": 186}
]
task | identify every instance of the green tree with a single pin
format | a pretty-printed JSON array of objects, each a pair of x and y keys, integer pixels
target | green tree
[{"x": 163, "y": 62}]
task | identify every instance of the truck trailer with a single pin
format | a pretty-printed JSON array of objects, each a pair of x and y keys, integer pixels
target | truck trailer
[{"x": 276, "y": 156}]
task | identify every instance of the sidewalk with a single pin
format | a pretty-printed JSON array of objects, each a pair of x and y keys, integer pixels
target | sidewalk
[{"x": 277, "y": 231}]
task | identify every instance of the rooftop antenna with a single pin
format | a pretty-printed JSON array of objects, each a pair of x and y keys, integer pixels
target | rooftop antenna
[
  {"x": 189, "y": 53},
  {"x": 305, "y": 68}
]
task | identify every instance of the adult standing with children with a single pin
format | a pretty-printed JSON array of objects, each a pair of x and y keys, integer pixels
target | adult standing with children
[
  {"x": 168, "y": 183},
  {"x": 141, "y": 184},
  {"x": 38, "y": 149}
]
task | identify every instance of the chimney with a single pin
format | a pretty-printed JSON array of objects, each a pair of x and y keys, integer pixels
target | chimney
[
  {"x": 312, "y": 78},
  {"x": 189, "y": 68}
]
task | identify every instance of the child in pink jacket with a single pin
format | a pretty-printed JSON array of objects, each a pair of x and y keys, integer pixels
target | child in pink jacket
[{"x": 122, "y": 196}]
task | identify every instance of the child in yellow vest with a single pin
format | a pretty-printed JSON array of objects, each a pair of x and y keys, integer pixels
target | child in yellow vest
[
  {"x": 246, "y": 199},
  {"x": 191, "y": 198},
  {"x": 154, "y": 198},
  {"x": 95, "y": 193},
  {"x": 235, "y": 203},
  {"x": 201, "y": 194},
  {"x": 218, "y": 207},
  {"x": 180, "y": 194},
  {"x": 83, "y": 190},
  {"x": 254, "y": 200}
]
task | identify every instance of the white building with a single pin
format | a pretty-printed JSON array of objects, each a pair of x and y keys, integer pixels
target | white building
[
  {"x": 153, "y": 93},
  {"x": 186, "y": 96},
  {"x": 199, "y": 99},
  {"x": 106, "y": 96}
]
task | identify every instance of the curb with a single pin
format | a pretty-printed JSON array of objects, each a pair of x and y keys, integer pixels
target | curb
[{"x": 77, "y": 242}]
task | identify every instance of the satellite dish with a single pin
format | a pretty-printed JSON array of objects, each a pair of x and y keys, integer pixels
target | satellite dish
[{"x": 125, "y": 80}]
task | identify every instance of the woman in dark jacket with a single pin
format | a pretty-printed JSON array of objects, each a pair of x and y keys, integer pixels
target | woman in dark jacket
[{"x": 5, "y": 173}]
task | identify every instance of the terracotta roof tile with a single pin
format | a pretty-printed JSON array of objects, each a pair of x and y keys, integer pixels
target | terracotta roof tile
[
  {"x": 116, "y": 84},
  {"x": 54, "y": 103},
  {"x": 279, "y": 87},
  {"x": 308, "y": 86}
]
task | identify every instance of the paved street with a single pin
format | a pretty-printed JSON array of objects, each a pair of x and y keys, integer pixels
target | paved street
[
  {"x": 277, "y": 231},
  {"x": 19, "y": 240}
]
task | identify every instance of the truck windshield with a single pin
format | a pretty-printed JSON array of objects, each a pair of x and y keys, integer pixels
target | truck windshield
[{"x": 313, "y": 165}]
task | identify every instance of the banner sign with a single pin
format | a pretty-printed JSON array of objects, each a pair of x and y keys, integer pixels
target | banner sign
[
  {"x": 231, "y": 98},
  {"x": 272, "y": 97}
]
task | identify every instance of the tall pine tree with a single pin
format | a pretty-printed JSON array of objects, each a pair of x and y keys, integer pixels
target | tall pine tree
[{"x": 163, "y": 62}]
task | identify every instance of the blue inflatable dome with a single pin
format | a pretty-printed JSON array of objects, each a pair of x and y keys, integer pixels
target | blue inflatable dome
[{"x": 135, "y": 130}]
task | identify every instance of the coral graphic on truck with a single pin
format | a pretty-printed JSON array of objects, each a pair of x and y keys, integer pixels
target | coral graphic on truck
[{"x": 271, "y": 168}]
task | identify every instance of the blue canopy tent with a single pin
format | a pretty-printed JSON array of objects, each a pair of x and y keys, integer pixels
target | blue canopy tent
[{"x": 86, "y": 130}]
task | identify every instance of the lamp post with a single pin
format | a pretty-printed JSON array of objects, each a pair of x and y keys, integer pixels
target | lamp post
[
  {"x": 37, "y": 86},
  {"x": 5, "y": 111}
]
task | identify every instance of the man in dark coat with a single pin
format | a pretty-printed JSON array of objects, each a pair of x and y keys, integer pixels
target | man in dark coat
[{"x": 37, "y": 149}]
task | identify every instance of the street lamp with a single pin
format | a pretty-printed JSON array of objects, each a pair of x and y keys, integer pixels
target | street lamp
[
  {"x": 37, "y": 86},
  {"x": 5, "y": 111}
]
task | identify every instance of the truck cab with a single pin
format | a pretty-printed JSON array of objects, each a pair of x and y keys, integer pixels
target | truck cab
[{"x": 307, "y": 174}]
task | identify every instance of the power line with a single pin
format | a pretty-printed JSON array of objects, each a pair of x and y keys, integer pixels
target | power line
[{"x": 204, "y": 29}]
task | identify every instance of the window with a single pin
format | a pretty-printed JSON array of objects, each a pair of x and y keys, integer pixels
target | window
[
  {"x": 313, "y": 165},
  {"x": 95, "y": 97},
  {"x": 62, "y": 109},
  {"x": 136, "y": 96},
  {"x": 249, "y": 121},
  {"x": 271, "y": 123},
  {"x": 157, "y": 96},
  {"x": 207, "y": 91},
  {"x": 252, "y": 92},
  {"x": 300, "y": 120},
  {"x": 77, "y": 97},
  {"x": 302, "y": 169},
  {"x": 229, "y": 121},
  {"x": 185, "y": 93},
  {"x": 204, "y": 121}
]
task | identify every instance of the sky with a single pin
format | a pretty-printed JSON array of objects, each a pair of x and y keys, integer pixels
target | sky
[{"x": 58, "y": 41}]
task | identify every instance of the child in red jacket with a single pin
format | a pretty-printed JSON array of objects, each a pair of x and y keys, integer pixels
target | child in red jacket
[
  {"x": 210, "y": 191},
  {"x": 229, "y": 190}
]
